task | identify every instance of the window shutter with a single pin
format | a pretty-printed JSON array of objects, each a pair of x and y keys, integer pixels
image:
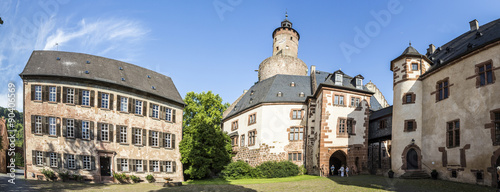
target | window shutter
[
  {"x": 99, "y": 131},
  {"x": 92, "y": 163},
  {"x": 149, "y": 138},
  {"x": 132, "y": 163},
  {"x": 174, "y": 166},
  {"x": 150, "y": 109},
  {"x": 77, "y": 127},
  {"x": 118, "y": 103},
  {"x": 59, "y": 157},
  {"x": 144, "y": 108},
  {"x": 65, "y": 94},
  {"x": 133, "y": 106},
  {"x": 129, "y": 135},
  {"x": 76, "y": 98},
  {"x": 32, "y": 124},
  {"x": 173, "y": 141},
  {"x": 151, "y": 166},
  {"x": 144, "y": 138},
  {"x": 33, "y": 155},
  {"x": 118, "y": 133},
  {"x": 58, "y": 131},
  {"x": 92, "y": 96},
  {"x": 133, "y": 136},
  {"x": 173, "y": 115},
  {"x": 64, "y": 131},
  {"x": 91, "y": 130},
  {"x": 79, "y": 161},
  {"x": 163, "y": 165},
  {"x": 130, "y": 110},
  {"x": 32, "y": 92},
  {"x": 46, "y": 155},
  {"x": 129, "y": 164},
  {"x": 110, "y": 128},
  {"x": 161, "y": 139},
  {"x": 99, "y": 99},
  {"x": 65, "y": 161},
  {"x": 58, "y": 94},
  {"x": 118, "y": 164},
  {"x": 45, "y": 125},
  {"x": 145, "y": 165},
  {"x": 162, "y": 112},
  {"x": 111, "y": 100},
  {"x": 45, "y": 93}
]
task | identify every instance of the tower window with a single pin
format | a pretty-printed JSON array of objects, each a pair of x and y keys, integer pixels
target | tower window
[
  {"x": 414, "y": 66},
  {"x": 277, "y": 48},
  {"x": 291, "y": 38}
]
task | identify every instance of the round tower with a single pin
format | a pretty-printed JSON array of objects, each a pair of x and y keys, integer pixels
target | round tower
[{"x": 285, "y": 49}]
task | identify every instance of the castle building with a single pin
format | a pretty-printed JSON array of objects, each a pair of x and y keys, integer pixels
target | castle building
[
  {"x": 93, "y": 116},
  {"x": 315, "y": 120},
  {"x": 446, "y": 112}
]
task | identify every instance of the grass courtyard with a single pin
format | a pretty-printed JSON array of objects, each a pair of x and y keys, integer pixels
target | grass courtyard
[{"x": 298, "y": 183}]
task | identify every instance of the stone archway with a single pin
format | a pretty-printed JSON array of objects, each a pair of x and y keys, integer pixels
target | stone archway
[
  {"x": 338, "y": 158},
  {"x": 412, "y": 158}
]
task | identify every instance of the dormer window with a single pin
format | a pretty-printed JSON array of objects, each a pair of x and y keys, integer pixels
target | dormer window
[
  {"x": 292, "y": 84},
  {"x": 359, "y": 83},
  {"x": 280, "y": 94},
  {"x": 338, "y": 79}
]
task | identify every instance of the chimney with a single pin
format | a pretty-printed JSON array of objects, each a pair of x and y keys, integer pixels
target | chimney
[
  {"x": 431, "y": 49},
  {"x": 245, "y": 91},
  {"x": 474, "y": 25},
  {"x": 313, "y": 69}
]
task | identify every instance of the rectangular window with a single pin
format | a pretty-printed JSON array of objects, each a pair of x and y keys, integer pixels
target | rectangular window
[
  {"x": 453, "y": 132},
  {"x": 408, "y": 98},
  {"x": 349, "y": 126},
  {"x": 53, "y": 159},
  {"x": 485, "y": 73},
  {"x": 52, "y": 94},
  {"x": 86, "y": 162},
  {"x": 414, "y": 66},
  {"x": 52, "y": 126},
  {"x": 123, "y": 134},
  {"x": 138, "y": 107},
  {"x": 168, "y": 166},
  {"x": 104, "y": 100},
  {"x": 336, "y": 100},
  {"x": 104, "y": 132},
  {"x": 137, "y": 136},
  {"x": 341, "y": 100},
  {"x": 38, "y": 92},
  {"x": 155, "y": 165},
  {"x": 234, "y": 125},
  {"x": 297, "y": 114},
  {"x": 70, "y": 128},
  {"x": 295, "y": 156},
  {"x": 85, "y": 130},
  {"x": 168, "y": 140},
  {"x": 251, "y": 137},
  {"x": 359, "y": 83},
  {"x": 155, "y": 111},
  {"x": 154, "y": 138},
  {"x": 168, "y": 114},
  {"x": 86, "y": 97},
  {"x": 342, "y": 126},
  {"x": 252, "y": 119},
  {"x": 355, "y": 102},
  {"x": 39, "y": 158},
  {"x": 38, "y": 124},
  {"x": 124, "y": 104},
  {"x": 338, "y": 79},
  {"x": 234, "y": 140},
  {"x": 442, "y": 90},
  {"x": 242, "y": 143},
  {"x": 296, "y": 133},
  {"x": 138, "y": 166},
  {"x": 70, "y": 96},
  {"x": 410, "y": 125},
  {"x": 71, "y": 162},
  {"x": 124, "y": 164},
  {"x": 497, "y": 126},
  {"x": 383, "y": 124}
]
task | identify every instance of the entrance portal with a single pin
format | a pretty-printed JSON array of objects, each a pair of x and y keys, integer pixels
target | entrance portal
[
  {"x": 412, "y": 160},
  {"x": 337, "y": 159},
  {"x": 105, "y": 166}
]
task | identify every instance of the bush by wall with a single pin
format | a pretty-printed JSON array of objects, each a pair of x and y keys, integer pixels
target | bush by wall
[
  {"x": 273, "y": 169},
  {"x": 49, "y": 175},
  {"x": 240, "y": 170}
]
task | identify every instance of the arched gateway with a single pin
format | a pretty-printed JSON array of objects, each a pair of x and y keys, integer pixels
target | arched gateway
[{"x": 337, "y": 159}]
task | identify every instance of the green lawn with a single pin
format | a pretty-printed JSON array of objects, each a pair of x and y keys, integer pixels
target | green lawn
[{"x": 299, "y": 183}]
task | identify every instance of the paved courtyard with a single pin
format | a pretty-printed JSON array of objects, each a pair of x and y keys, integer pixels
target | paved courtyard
[{"x": 356, "y": 183}]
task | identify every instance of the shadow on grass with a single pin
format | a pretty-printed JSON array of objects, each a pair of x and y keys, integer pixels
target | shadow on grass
[
  {"x": 407, "y": 185},
  {"x": 214, "y": 185},
  {"x": 35, "y": 185}
]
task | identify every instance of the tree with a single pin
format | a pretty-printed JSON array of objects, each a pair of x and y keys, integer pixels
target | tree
[
  {"x": 1, "y": 21},
  {"x": 204, "y": 148}
]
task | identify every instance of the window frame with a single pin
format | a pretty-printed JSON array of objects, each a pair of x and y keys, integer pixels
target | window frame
[
  {"x": 138, "y": 136},
  {"x": 123, "y": 134},
  {"x": 105, "y": 100},
  {"x": 234, "y": 125},
  {"x": 52, "y": 94},
  {"x": 71, "y": 160},
  {"x": 138, "y": 107},
  {"x": 252, "y": 119},
  {"x": 442, "y": 89},
  {"x": 412, "y": 96},
  {"x": 39, "y": 158},
  {"x": 53, "y": 159},
  {"x": 124, "y": 104},
  {"x": 454, "y": 136},
  {"x": 139, "y": 164},
  {"x": 104, "y": 129},
  {"x": 38, "y": 125},
  {"x": 85, "y": 130},
  {"x": 155, "y": 111},
  {"x": 70, "y": 128},
  {"x": 157, "y": 168},
  {"x": 252, "y": 137},
  {"x": 38, "y": 93},
  {"x": 295, "y": 156},
  {"x": 85, "y": 97},
  {"x": 242, "y": 140},
  {"x": 70, "y": 95},
  {"x": 297, "y": 114},
  {"x": 411, "y": 67},
  {"x": 124, "y": 165},
  {"x": 234, "y": 140},
  {"x": 495, "y": 120},
  {"x": 155, "y": 135},
  {"x": 414, "y": 125},
  {"x": 479, "y": 73},
  {"x": 295, "y": 133},
  {"x": 86, "y": 162},
  {"x": 52, "y": 126},
  {"x": 168, "y": 140}
]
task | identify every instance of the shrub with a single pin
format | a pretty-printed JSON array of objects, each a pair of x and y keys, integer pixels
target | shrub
[
  {"x": 63, "y": 175},
  {"x": 302, "y": 170},
  {"x": 135, "y": 179},
  {"x": 49, "y": 174},
  {"x": 150, "y": 178},
  {"x": 273, "y": 169},
  {"x": 121, "y": 177},
  {"x": 240, "y": 170},
  {"x": 77, "y": 177}
]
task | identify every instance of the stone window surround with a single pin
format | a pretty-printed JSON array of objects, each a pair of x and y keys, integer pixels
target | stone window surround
[
  {"x": 344, "y": 100},
  {"x": 45, "y": 93},
  {"x": 346, "y": 134},
  {"x": 288, "y": 130},
  {"x": 234, "y": 125},
  {"x": 234, "y": 140},
  {"x": 254, "y": 137},
  {"x": 298, "y": 155},
  {"x": 413, "y": 98},
  {"x": 301, "y": 114},
  {"x": 411, "y": 66},
  {"x": 437, "y": 89},
  {"x": 405, "y": 152},
  {"x": 476, "y": 73},
  {"x": 254, "y": 118},
  {"x": 447, "y": 132},
  {"x": 414, "y": 125},
  {"x": 491, "y": 126}
]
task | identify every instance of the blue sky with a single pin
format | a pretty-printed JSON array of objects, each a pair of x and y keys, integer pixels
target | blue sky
[{"x": 217, "y": 44}]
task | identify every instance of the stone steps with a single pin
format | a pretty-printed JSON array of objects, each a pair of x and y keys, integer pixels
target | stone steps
[{"x": 415, "y": 175}]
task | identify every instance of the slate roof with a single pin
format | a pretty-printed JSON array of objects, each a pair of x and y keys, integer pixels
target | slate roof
[
  {"x": 76, "y": 66},
  {"x": 465, "y": 43},
  {"x": 380, "y": 113},
  {"x": 410, "y": 51},
  {"x": 347, "y": 82}
]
